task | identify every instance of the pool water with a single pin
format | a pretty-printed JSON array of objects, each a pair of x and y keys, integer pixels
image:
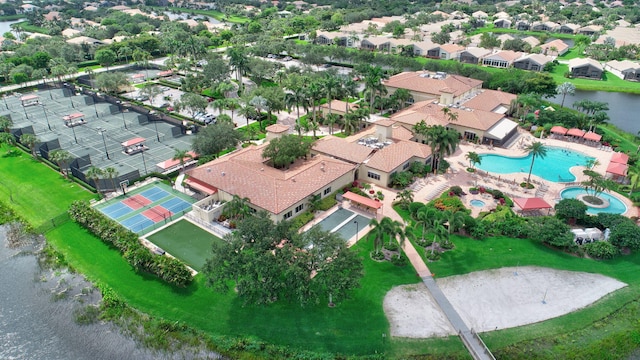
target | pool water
[
  {"x": 343, "y": 222},
  {"x": 553, "y": 167},
  {"x": 615, "y": 206},
  {"x": 477, "y": 203}
]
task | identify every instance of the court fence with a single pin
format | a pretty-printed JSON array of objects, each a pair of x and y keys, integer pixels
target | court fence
[
  {"x": 142, "y": 229},
  {"x": 52, "y": 223}
]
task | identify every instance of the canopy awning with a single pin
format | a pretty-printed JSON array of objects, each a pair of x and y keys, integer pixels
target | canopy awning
[
  {"x": 591, "y": 136},
  {"x": 138, "y": 76},
  {"x": 575, "y": 132},
  {"x": 617, "y": 169},
  {"x": 73, "y": 116},
  {"x": 201, "y": 186},
  {"x": 168, "y": 164},
  {"x": 165, "y": 73},
  {"x": 620, "y": 158},
  {"x": 363, "y": 200},
  {"x": 501, "y": 129},
  {"x": 28, "y": 97},
  {"x": 559, "y": 130},
  {"x": 134, "y": 141},
  {"x": 535, "y": 203}
]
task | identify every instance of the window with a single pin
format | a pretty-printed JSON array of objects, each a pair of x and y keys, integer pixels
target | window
[
  {"x": 373, "y": 175},
  {"x": 405, "y": 166},
  {"x": 287, "y": 215},
  {"x": 327, "y": 191},
  {"x": 299, "y": 208}
]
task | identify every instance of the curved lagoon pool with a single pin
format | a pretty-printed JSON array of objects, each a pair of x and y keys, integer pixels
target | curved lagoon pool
[
  {"x": 615, "y": 206},
  {"x": 477, "y": 203},
  {"x": 553, "y": 167}
]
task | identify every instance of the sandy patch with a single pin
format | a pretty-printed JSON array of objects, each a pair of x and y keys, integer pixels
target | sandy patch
[{"x": 494, "y": 299}]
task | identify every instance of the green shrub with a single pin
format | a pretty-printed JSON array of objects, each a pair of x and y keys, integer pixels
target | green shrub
[
  {"x": 432, "y": 256},
  {"x": 399, "y": 260},
  {"x": 601, "y": 250},
  {"x": 414, "y": 207},
  {"x": 302, "y": 219},
  {"x": 327, "y": 202},
  {"x": 456, "y": 190},
  {"x": 391, "y": 245}
]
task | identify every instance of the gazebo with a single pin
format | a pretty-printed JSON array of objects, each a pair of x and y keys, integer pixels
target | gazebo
[
  {"x": 363, "y": 201},
  {"x": 575, "y": 132},
  {"x": 531, "y": 204},
  {"x": 620, "y": 158},
  {"x": 591, "y": 136},
  {"x": 134, "y": 146},
  {"x": 28, "y": 100},
  {"x": 559, "y": 130},
  {"x": 617, "y": 169}
]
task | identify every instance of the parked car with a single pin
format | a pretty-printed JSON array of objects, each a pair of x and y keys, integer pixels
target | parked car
[{"x": 141, "y": 98}]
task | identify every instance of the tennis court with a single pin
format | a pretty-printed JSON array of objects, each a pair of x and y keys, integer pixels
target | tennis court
[{"x": 146, "y": 208}]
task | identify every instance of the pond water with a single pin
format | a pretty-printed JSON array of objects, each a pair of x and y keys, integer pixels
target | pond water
[
  {"x": 623, "y": 107},
  {"x": 6, "y": 26}
]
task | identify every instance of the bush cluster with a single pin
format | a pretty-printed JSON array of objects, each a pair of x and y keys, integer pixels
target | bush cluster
[
  {"x": 302, "y": 219},
  {"x": 109, "y": 231}
]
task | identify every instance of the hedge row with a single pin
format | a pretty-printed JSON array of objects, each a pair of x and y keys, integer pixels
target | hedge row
[{"x": 166, "y": 268}]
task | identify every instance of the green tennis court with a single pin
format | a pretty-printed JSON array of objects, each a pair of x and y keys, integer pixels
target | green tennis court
[{"x": 186, "y": 242}]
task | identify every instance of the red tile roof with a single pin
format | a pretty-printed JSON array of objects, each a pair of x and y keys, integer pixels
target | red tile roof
[{"x": 412, "y": 81}]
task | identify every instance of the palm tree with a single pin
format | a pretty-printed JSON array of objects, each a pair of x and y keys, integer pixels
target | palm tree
[
  {"x": 95, "y": 173},
  {"x": 440, "y": 235},
  {"x": 296, "y": 97},
  {"x": 474, "y": 159},
  {"x": 379, "y": 229},
  {"x": 237, "y": 208},
  {"x": 565, "y": 89},
  {"x": 62, "y": 158},
  {"x": 349, "y": 89},
  {"x": 373, "y": 82},
  {"x": 5, "y": 123},
  {"x": 259, "y": 103},
  {"x": 239, "y": 62},
  {"x": 331, "y": 86},
  {"x": 454, "y": 220},
  {"x": 536, "y": 149},
  {"x": 248, "y": 112},
  {"x": 450, "y": 114},
  {"x": 331, "y": 119},
  {"x": 124, "y": 52},
  {"x": 314, "y": 93},
  {"x": 400, "y": 97},
  {"x": 181, "y": 155},
  {"x": 426, "y": 217},
  {"x": 404, "y": 198},
  {"x": 634, "y": 181},
  {"x": 443, "y": 141},
  {"x": 112, "y": 175},
  {"x": 30, "y": 141}
]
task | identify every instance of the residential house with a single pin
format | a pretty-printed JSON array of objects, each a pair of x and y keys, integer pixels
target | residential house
[
  {"x": 532, "y": 41},
  {"x": 544, "y": 26},
  {"x": 80, "y": 40},
  {"x": 505, "y": 37},
  {"x": 480, "y": 15},
  {"x": 625, "y": 70},
  {"x": 52, "y": 15},
  {"x": 502, "y": 23},
  {"x": 523, "y": 25},
  {"x": 589, "y": 30},
  {"x": 373, "y": 43},
  {"x": 533, "y": 62},
  {"x": 556, "y": 47},
  {"x": 501, "y": 59},
  {"x": 473, "y": 55},
  {"x": 442, "y": 87},
  {"x": 283, "y": 193},
  {"x": 445, "y": 52},
  {"x": 330, "y": 38},
  {"x": 28, "y": 8},
  {"x": 585, "y": 67},
  {"x": 421, "y": 48},
  {"x": 501, "y": 15},
  {"x": 458, "y": 15},
  {"x": 568, "y": 28}
]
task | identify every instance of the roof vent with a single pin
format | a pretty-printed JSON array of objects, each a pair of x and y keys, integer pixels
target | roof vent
[
  {"x": 293, "y": 179},
  {"x": 322, "y": 168},
  {"x": 261, "y": 169},
  {"x": 208, "y": 170},
  {"x": 223, "y": 174}
]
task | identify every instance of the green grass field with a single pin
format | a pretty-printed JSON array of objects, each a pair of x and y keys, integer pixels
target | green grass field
[
  {"x": 185, "y": 241},
  {"x": 609, "y": 82}
]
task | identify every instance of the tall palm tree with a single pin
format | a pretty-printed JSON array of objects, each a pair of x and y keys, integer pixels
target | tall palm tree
[
  {"x": 400, "y": 97},
  {"x": 30, "y": 141},
  {"x": 95, "y": 173},
  {"x": 427, "y": 218},
  {"x": 404, "y": 198},
  {"x": 5, "y": 123},
  {"x": 62, "y": 158},
  {"x": 349, "y": 90},
  {"x": 112, "y": 175},
  {"x": 379, "y": 229},
  {"x": 536, "y": 149},
  {"x": 443, "y": 141},
  {"x": 314, "y": 93},
  {"x": 260, "y": 104},
  {"x": 181, "y": 155},
  {"x": 331, "y": 86},
  {"x": 454, "y": 220},
  {"x": 239, "y": 62},
  {"x": 474, "y": 159},
  {"x": 450, "y": 114},
  {"x": 237, "y": 208},
  {"x": 373, "y": 77},
  {"x": 296, "y": 97},
  {"x": 248, "y": 112},
  {"x": 565, "y": 89}
]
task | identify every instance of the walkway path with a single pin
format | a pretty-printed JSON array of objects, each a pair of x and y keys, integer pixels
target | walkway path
[{"x": 470, "y": 339}]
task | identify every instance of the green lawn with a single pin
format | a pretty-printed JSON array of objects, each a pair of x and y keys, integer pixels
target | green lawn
[
  {"x": 185, "y": 241},
  {"x": 609, "y": 82},
  {"x": 35, "y": 191}
]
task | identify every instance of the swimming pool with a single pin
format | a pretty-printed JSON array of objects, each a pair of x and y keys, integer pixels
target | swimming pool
[
  {"x": 343, "y": 222},
  {"x": 553, "y": 167},
  {"x": 615, "y": 206},
  {"x": 477, "y": 203}
]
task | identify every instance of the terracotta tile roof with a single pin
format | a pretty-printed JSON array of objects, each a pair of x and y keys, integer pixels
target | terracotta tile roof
[
  {"x": 277, "y": 128},
  {"x": 396, "y": 154},
  {"x": 401, "y": 133},
  {"x": 477, "y": 51},
  {"x": 339, "y": 105},
  {"x": 414, "y": 82},
  {"x": 506, "y": 55},
  {"x": 538, "y": 58},
  {"x": 432, "y": 114},
  {"x": 415, "y": 114},
  {"x": 579, "y": 62},
  {"x": 488, "y": 100},
  {"x": 342, "y": 149},
  {"x": 385, "y": 122},
  {"x": 557, "y": 43},
  {"x": 245, "y": 174},
  {"x": 451, "y": 48}
]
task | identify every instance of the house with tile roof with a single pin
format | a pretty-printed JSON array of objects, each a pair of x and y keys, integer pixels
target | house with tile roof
[
  {"x": 625, "y": 70},
  {"x": 544, "y": 26},
  {"x": 502, "y": 59},
  {"x": 473, "y": 55},
  {"x": 586, "y": 68},
  {"x": 283, "y": 193},
  {"x": 523, "y": 25},
  {"x": 532, "y": 41},
  {"x": 568, "y": 28},
  {"x": 555, "y": 47},
  {"x": 442, "y": 87},
  {"x": 502, "y": 23},
  {"x": 491, "y": 101},
  {"x": 533, "y": 62},
  {"x": 445, "y": 51},
  {"x": 589, "y": 30}
]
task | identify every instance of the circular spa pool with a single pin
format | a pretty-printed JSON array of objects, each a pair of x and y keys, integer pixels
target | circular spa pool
[
  {"x": 614, "y": 205},
  {"x": 476, "y": 203}
]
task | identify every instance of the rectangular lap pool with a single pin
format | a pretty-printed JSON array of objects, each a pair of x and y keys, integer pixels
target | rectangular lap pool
[{"x": 343, "y": 222}]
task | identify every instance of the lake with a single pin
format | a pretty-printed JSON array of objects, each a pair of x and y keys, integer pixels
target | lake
[
  {"x": 6, "y": 26},
  {"x": 36, "y": 322},
  {"x": 623, "y": 107}
]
